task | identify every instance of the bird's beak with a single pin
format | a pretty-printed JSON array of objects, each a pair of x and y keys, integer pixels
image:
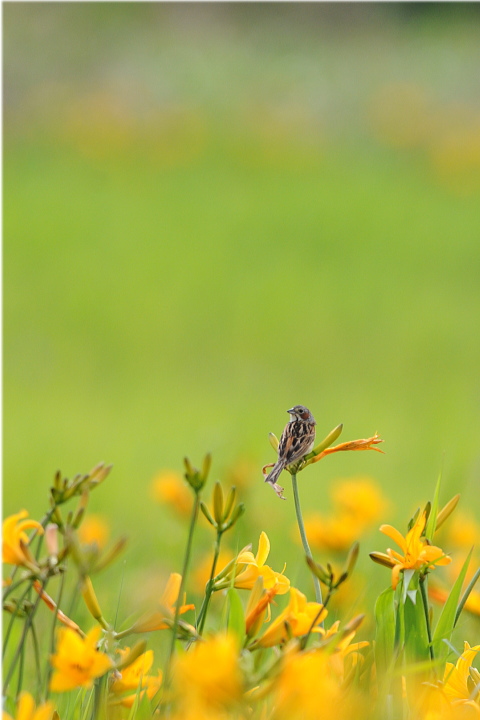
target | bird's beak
[{"x": 291, "y": 411}]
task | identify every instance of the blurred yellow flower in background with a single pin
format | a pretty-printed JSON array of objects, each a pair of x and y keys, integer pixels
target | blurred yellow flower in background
[
  {"x": 26, "y": 709},
  {"x": 15, "y": 550},
  {"x": 77, "y": 662},
  {"x": 208, "y": 676},
  {"x": 307, "y": 689},
  {"x": 161, "y": 620},
  {"x": 94, "y": 530},
  {"x": 169, "y": 488},
  {"x": 463, "y": 531},
  {"x": 296, "y": 620},
  {"x": 134, "y": 681},
  {"x": 360, "y": 498},
  {"x": 358, "y": 503}
]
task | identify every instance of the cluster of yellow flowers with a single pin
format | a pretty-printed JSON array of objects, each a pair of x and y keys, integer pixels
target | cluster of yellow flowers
[{"x": 255, "y": 661}]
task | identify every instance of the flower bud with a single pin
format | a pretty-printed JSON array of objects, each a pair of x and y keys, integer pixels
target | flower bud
[
  {"x": 352, "y": 558},
  {"x": 319, "y": 571},
  {"x": 91, "y": 602},
  {"x": 206, "y": 512},
  {"x": 273, "y": 441},
  {"x": 229, "y": 503},
  {"x": 326, "y": 442},
  {"x": 218, "y": 502},
  {"x": 382, "y": 559},
  {"x": 447, "y": 510}
]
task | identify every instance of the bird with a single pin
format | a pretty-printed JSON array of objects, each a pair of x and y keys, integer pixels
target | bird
[{"x": 297, "y": 440}]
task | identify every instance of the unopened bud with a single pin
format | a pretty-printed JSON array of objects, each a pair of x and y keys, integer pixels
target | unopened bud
[
  {"x": 229, "y": 503},
  {"x": 91, "y": 601},
  {"x": 273, "y": 441},
  {"x": 319, "y": 571},
  {"x": 326, "y": 442},
  {"x": 206, "y": 512},
  {"x": 352, "y": 558},
  {"x": 237, "y": 513},
  {"x": 218, "y": 502},
  {"x": 207, "y": 462},
  {"x": 382, "y": 559},
  {"x": 447, "y": 510},
  {"x": 51, "y": 541}
]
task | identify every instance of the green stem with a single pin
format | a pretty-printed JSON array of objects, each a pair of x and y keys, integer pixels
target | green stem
[
  {"x": 303, "y": 535},
  {"x": 36, "y": 653},
  {"x": 48, "y": 668},
  {"x": 186, "y": 560},
  {"x": 13, "y": 618},
  {"x": 427, "y": 616},
  {"x": 209, "y": 589},
  {"x": 304, "y": 641},
  {"x": 20, "y": 648}
]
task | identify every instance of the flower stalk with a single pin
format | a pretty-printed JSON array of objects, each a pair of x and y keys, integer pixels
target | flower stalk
[{"x": 303, "y": 535}]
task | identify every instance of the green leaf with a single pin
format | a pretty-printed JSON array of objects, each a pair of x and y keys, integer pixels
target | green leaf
[
  {"x": 432, "y": 518},
  {"x": 385, "y": 631},
  {"x": 236, "y": 615},
  {"x": 466, "y": 594},
  {"x": 416, "y": 635},
  {"x": 446, "y": 621}
]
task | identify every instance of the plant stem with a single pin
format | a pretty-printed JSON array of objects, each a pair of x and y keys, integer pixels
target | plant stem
[
  {"x": 303, "y": 535},
  {"x": 48, "y": 668},
  {"x": 209, "y": 589},
  {"x": 13, "y": 618},
  {"x": 427, "y": 616},
  {"x": 186, "y": 560},
  {"x": 20, "y": 648}
]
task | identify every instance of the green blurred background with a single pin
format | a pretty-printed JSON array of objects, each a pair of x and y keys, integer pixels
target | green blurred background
[{"x": 215, "y": 211}]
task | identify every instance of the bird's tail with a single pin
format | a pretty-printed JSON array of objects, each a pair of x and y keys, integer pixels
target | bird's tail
[{"x": 272, "y": 477}]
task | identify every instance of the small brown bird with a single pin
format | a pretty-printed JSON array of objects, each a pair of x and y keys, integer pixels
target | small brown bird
[{"x": 297, "y": 440}]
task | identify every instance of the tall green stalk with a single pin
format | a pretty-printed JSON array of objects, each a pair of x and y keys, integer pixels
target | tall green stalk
[
  {"x": 303, "y": 535},
  {"x": 423, "y": 591},
  {"x": 186, "y": 561},
  {"x": 209, "y": 589}
]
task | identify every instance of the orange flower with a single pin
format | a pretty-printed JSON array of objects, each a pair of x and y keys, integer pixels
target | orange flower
[
  {"x": 94, "y": 530},
  {"x": 134, "y": 681},
  {"x": 417, "y": 553},
  {"x": 77, "y": 661},
  {"x": 160, "y": 620},
  {"x": 169, "y": 488},
  {"x": 456, "y": 677},
  {"x": 295, "y": 620},
  {"x": 256, "y": 568},
  {"x": 16, "y": 540},
  {"x": 26, "y": 709}
]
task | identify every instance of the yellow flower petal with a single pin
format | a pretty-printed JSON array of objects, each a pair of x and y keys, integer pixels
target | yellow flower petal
[{"x": 263, "y": 548}]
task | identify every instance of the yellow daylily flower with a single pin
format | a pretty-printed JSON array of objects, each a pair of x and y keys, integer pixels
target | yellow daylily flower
[
  {"x": 295, "y": 620},
  {"x": 208, "y": 677},
  {"x": 77, "y": 661},
  {"x": 160, "y": 620},
  {"x": 256, "y": 568},
  {"x": 15, "y": 539},
  {"x": 134, "y": 681},
  {"x": 417, "y": 553},
  {"x": 26, "y": 709},
  {"x": 455, "y": 678}
]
